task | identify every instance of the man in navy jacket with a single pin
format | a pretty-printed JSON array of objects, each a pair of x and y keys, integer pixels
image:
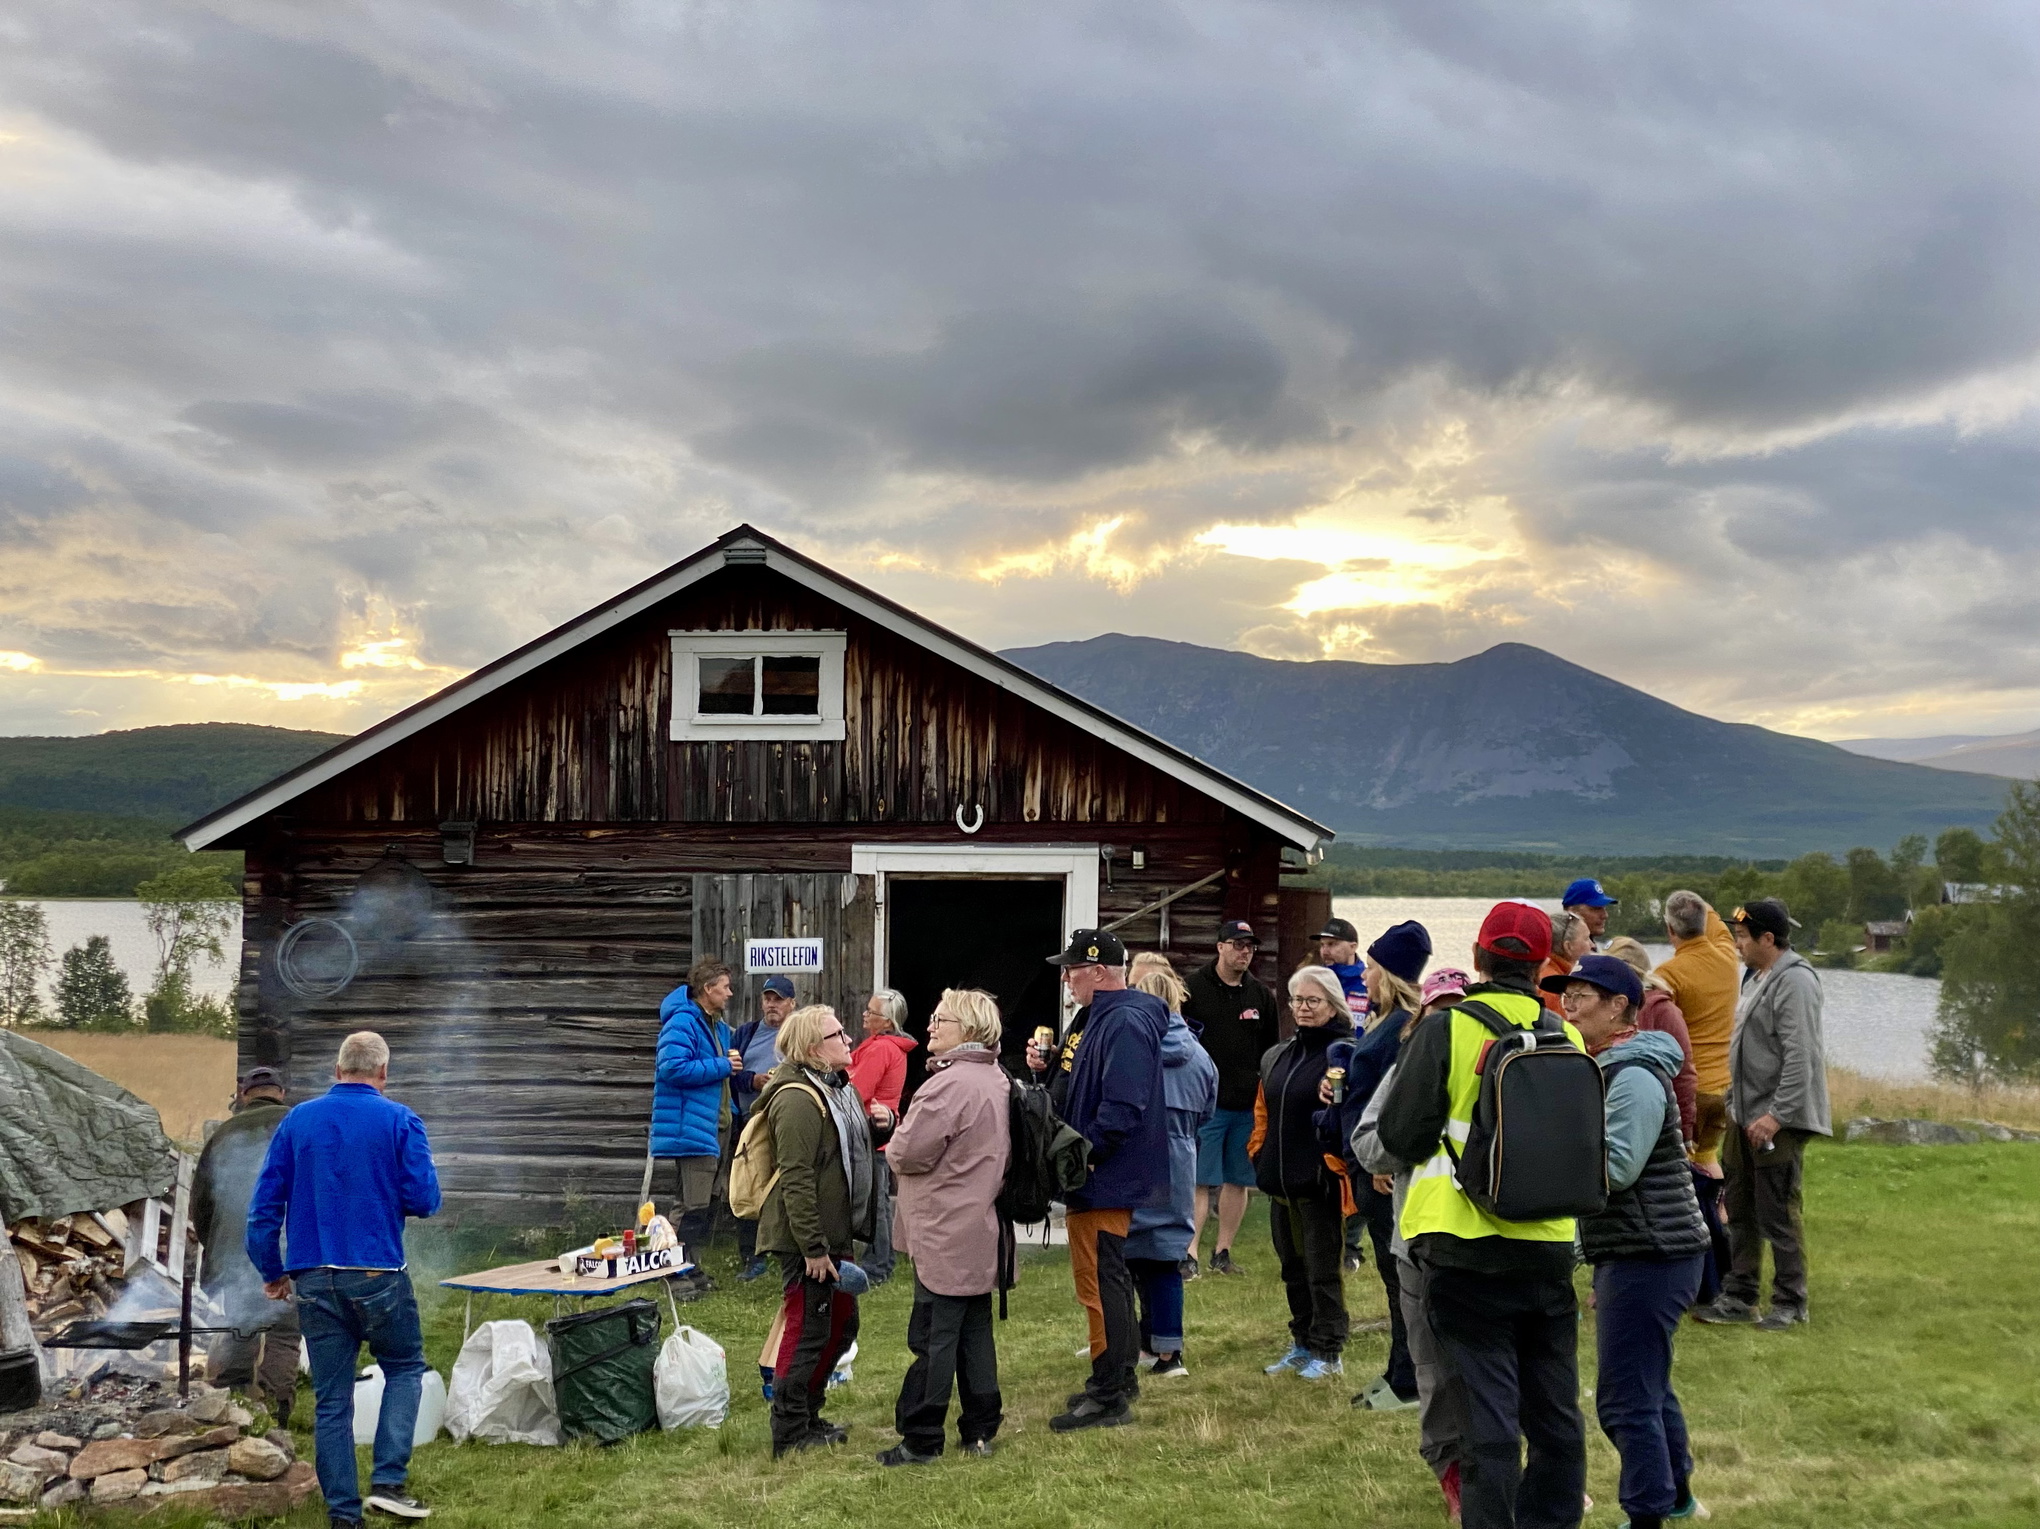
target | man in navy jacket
[
  {"x": 1116, "y": 1103},
  {"x": 342, "y": 1173}
]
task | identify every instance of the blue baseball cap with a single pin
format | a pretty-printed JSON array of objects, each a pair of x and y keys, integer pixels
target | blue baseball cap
[
  {"x": 1611, "y": 974},
  {"x": 1586, "y": 893},
  {"x": 779, "y": 987}
]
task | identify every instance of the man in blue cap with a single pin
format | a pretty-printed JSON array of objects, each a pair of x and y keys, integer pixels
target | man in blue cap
[{"x": 1590, "y": 900}]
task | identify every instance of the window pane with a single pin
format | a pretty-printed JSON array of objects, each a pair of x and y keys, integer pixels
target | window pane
[
  {"x": 726, "y": 686},
  {"x": 793, "y": 687}
]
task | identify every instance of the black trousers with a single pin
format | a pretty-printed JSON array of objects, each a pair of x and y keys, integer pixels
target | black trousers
[
  {"x": 1379, "y": 1212},
  {"x": 1105, "y": 1288},
  {"x": 1761, "y": 1193},
  {"x": 1309, "y": 1232},
  {"x": 821, "y": 1322},
  {"x": 950, "y": 1337},
  {"x": 1513, "y": 1343}
]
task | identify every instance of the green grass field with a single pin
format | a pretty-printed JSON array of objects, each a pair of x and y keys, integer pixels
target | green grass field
[{"x": 1912, "y": 1400}]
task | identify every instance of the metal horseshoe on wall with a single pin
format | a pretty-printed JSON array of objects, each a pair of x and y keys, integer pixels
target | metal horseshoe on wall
[{"x": 975, "y": 823}]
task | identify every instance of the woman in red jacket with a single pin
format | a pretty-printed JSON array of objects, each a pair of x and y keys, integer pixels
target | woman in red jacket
[{"x": 878, "y": 1071}]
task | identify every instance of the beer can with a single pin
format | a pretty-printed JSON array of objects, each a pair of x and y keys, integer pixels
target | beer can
[{"x": 1336, "y": 1076}]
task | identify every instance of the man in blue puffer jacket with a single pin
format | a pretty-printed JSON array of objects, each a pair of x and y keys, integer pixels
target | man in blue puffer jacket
[
  {"x": 1117, "y": 1103},
  {"x": 694, "y": 1063}
]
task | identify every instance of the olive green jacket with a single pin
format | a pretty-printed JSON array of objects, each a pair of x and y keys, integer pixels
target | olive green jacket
[{"x": 808, "y": 1210}]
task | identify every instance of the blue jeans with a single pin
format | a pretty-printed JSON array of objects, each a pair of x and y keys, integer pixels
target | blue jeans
[
  {"x": 339, "y": 1310},
  {"x": 1638, "y": 1304}
]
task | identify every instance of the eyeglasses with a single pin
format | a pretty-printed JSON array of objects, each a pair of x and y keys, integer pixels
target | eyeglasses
[
  {"x": 939, "y": 1018},
  {"x": 834, "y": 1035},
  {"x": 1311, "y": 1001}
]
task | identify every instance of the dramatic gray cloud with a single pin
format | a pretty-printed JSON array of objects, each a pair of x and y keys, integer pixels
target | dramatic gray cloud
[{"x": 350, "y": 344}]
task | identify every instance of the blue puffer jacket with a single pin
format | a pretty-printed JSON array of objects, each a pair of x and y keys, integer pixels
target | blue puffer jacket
[
  {"x": 1190, "y": 1085},
  {"x": 693, "y": 1065},
  {"x": 1118, "y": 1103}
]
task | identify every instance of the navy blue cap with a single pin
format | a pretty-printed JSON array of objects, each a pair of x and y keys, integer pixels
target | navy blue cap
[
  {"x": 1586, "y": 893},
  {"x": 779, "y": 987},
  {"x": 1402, "y": 951},
  {"x": 1611, "y": 974}
]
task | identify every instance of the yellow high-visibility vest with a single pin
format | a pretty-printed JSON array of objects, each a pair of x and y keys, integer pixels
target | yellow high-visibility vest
[{"x": 1435, "y": 1202}]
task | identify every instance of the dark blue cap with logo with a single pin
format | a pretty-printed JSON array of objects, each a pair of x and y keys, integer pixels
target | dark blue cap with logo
[
  {"x": 779, "y": 987},
  {"x": 1586, "y": 893},
  {"x": 1611, "y": 974}
]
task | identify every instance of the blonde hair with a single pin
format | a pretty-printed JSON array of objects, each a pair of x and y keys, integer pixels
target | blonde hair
[
  {"x": 800, "y": 1035},
  {"x": 1324, "y": 979},
  {"x": 1630, "y": 952},
  {"x": 1147, "y": 961},
  {"x": 1163, "y": 982},
  {"x": 362, "y": 1055},
  {"x": 976, "y": 1013},
  {"x": 1401, "y": 995}
]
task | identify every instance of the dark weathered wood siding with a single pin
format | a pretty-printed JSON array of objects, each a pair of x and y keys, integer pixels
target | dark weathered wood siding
[{"x": 523, "y": 1020}]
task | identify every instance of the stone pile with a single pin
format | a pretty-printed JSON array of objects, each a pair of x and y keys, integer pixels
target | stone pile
[
  {"x": 1931, "y": 1133},
  {"x": 131, "y": 1443}
]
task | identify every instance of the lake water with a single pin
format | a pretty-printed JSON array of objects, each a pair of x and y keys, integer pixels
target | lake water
[
  {"x": 1875, "y": 1022},
  {"x": 134, "y": 948}
]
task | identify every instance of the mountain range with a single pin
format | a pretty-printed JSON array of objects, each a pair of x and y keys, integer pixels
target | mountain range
[
  {"x": 2014, "y": 755},
  {"x": 1513, "y": 747},
  {"x": 179, "y": 772}
]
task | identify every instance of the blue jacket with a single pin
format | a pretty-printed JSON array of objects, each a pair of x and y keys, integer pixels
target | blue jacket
[
  {"x": 1374, "y": 1055},
  {"x": 687, "y": 1090},
  {"x": 759, "y": 1044},
  {"x": 1117, "y": 1102},
  {"x": 341, "y": 1174},
  {"x": 1190, "y": 1087},
  {"x": 1636, "y": 1101}
]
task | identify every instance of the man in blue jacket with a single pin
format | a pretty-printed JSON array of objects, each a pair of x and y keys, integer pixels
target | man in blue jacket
[
  {"x": 1116, "y": 1102},
  {"x": 694, "y": 1062},
  {"x": 341, "y": 1174}
]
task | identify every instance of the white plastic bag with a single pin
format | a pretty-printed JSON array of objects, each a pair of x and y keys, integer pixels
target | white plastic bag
[
  {"x": 691, "y": 1381},
  {"x": 368, "y": 1395},
  {"x": 502, "y": 1389}
]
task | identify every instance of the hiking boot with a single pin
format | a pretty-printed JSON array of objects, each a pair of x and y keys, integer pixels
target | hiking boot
[
  {"x": 1169, "y": 1367},
  {"x": 1315, "y": 1368},
  {"x": 1188, "y": 1269},
  {"x": 396, "y": 1504},
  {"x": 1779, "y": 1318},
  {"x": 1090, "y": 1414},
  {"x": 803, "y": 1442},
  {"x": 1689, "y": 1507},
  {"x": 755, "y": 1269},
  {"x": 1221, "y": 1263},
  {"x": 982, "y": 1448},
  {"x": 901, "y": 1454},
  {"x": 828, "y": 1433},
  {"x": 1727, "y": 1311},
  {"x": 1296, "y": 1358}
]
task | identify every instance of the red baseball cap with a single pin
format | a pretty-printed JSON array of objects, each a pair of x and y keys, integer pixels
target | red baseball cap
[{"x": 1516, "y": 931}]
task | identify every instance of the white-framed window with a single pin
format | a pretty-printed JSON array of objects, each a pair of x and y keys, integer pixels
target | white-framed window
[{"x": 758, "y": 685}]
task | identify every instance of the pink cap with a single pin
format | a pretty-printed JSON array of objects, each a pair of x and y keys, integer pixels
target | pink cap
[{"x": 1446, "y": 979}]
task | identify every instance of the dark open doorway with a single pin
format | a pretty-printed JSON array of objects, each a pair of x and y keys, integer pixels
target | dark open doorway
[{"x": 946, "y": 932}]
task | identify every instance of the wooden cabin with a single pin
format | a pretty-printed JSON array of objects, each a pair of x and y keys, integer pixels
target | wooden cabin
[{"x": 505, "y": 879}]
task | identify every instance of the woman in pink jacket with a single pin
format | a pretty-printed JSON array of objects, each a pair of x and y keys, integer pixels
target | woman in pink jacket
[{"x": 949, "y": 1156}]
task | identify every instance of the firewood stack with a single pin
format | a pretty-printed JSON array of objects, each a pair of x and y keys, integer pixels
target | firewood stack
[{"x": 71, "y": 1266}]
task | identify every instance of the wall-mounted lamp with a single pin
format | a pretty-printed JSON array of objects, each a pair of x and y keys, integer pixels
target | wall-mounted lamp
[{"x": 457, "y": 843}]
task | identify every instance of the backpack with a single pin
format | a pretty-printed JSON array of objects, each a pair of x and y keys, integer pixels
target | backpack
[
  {"x": 1538, "y": 1146},
  {"x": 1047, "y": 1160},
  {"x": 754, "y": 1172}
]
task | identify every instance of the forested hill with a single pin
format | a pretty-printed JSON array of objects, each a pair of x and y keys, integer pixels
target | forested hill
[
  {"x": 1511, "y": 747},
  {"x": 173, "y": 773}
]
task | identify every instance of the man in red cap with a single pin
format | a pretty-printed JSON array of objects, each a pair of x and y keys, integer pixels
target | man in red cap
[{"x": 1498, "y": 1295}]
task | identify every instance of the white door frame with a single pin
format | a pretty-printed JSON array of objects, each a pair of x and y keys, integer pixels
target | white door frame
[{"x": 1075, "y": 865}]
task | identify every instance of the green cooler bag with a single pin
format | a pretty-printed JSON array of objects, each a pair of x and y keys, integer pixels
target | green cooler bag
[{"x": 602, "y": 1370}]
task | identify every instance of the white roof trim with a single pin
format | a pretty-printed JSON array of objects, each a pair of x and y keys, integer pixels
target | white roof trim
[{"x": 1292, "y": 826}]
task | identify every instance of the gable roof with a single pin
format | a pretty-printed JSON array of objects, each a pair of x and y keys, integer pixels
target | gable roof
[{"x": 744, "y": 545}]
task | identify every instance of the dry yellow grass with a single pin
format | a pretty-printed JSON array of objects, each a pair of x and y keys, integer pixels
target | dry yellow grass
[
  {"x": 1852, "y": 1094},
  {"x": 188, "y": 1078}
]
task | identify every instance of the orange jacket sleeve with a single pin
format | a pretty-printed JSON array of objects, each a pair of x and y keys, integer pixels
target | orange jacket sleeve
[{"x": 1260, "y": 1123}]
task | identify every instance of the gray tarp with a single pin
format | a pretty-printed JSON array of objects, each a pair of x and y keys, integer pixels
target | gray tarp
[{"x": 71, "y": 1140}]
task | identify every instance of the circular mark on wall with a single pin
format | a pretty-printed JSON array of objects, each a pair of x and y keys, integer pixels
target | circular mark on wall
[{"x": 317, "y": 958}]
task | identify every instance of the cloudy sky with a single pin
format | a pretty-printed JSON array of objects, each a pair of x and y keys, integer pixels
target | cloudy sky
[{"x": 345, "y": 346}]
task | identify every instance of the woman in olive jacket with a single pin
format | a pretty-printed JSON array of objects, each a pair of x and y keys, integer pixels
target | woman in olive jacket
[{"x": 823, "y": 1150}]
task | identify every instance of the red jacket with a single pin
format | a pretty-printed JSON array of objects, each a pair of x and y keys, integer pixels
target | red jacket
[
  {"x": 1661, "y": 1013},
  {"x": 878, "y": 1068}
]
